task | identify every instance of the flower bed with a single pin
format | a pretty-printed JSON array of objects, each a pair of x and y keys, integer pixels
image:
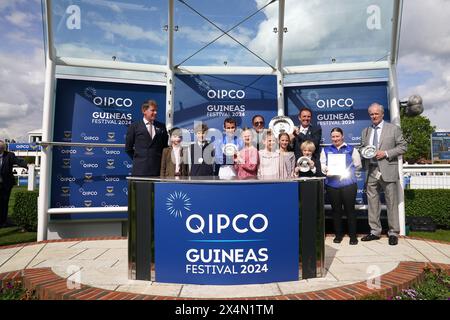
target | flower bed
[
  {"x": 14, "y": 290},
  {"x": 436, "y": 286}
]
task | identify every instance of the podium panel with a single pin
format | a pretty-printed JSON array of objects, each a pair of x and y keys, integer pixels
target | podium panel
[{"x": 225, "y": 232}]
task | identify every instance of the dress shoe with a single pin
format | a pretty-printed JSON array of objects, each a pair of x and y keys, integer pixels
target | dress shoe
[
  {"x": 337, "y": 240},
  {"x": 353, "y": 241},
  {"x": 393, "y": 240},
  {"x": 370, "y": 237}
]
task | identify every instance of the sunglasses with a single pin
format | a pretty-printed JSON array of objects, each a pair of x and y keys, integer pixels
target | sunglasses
[{"x": 257, "y": 123}]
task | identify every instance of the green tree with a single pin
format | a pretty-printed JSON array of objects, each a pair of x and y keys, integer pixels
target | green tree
[{"x": 417, "y": 132}]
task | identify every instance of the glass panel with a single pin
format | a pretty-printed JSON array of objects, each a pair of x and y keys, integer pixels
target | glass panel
[
  {"x": 247, "y": 21},
  {"x": 127, "y": 31},
  {"x": 336, "y": 76},
  {"x": 323, "y": 32},
  {"x": 113, "y": 74}
]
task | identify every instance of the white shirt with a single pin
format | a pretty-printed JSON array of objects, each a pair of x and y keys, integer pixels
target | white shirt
[
  {"x": 149, "y": 124},
  {"x": 201, "y": 144},
  {"x": 177, "y": 153},
  {"x": 304, "y": 130},
  {"x": 380, "y": 128},
  {"x": 356, "y": 159}
]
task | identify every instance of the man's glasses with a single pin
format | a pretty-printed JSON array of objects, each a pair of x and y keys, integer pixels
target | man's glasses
[{"x": 257, "y": 123}]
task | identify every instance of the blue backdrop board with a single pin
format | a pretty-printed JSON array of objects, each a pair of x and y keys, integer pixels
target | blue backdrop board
[
  {"x": 212, "y": 98},
  {"x": 339, "y": 105},
  {"x": 440, "y": 146},
  {"x": 23, "y": 147},
  {"x": 95, "y": 112},
  {"x": 223, "y": 238}
]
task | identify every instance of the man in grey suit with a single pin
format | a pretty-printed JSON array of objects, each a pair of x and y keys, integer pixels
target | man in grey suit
[{"x": 382, "y": 172}]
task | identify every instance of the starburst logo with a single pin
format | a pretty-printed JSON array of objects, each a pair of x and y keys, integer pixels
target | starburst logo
[
  {"x": 90, "y": 92},
  {"x": 178, "y": 202}
]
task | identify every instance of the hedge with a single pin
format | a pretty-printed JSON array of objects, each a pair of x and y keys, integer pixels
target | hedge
[
  {"x": 429, "y": 203},
  {"x": 25, "y": 210}
]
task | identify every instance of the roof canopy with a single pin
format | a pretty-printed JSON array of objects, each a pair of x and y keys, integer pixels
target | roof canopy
[{"x": 293, "y": 36}]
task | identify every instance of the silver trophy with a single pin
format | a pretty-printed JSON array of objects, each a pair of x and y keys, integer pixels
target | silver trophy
[
  {"x": 230, "y": 149},
  {"x": 303, "y": 164},
  {"x": 281, "y": 124},
  {"x": 368, "y": 152}
]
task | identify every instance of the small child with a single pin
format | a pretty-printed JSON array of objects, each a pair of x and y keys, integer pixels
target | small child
[
  {"x": 307, "y": 149},
  {"x": 173, "y": 162},
  {"x": 226, "y": 168},
  {"x": 246, "y": 162},
  {"x": 287, "y": 158},
  {"x": 202, "y": 154},
  {"x": 269, "y": 159}
]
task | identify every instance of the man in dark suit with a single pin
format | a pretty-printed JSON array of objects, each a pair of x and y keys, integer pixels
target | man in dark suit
[
  {"x": 145, "y": 141},
  {"x": 306, "y": 131},
  {"x": 7, "y": 181}
]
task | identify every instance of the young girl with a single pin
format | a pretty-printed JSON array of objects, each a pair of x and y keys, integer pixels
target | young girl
[
  {"x": 269, "y": 159},
  {"x": 246, "y": 163},
  {"x": 173, "y": 163},
  {"x": 287, "y": 158},
  {"x": 307, "y": 149}
]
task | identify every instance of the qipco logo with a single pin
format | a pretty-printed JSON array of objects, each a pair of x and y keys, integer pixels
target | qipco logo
[
  {"x": 226, "y": 94},
  {"x": 335, "y": 103},
  {"x": 112, "y": 102},
  {"x": 240, "y": 223}
]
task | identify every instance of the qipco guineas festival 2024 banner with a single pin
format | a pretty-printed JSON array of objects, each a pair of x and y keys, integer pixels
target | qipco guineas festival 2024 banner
[
  {"x": 211, "y": 99},
  {"x": 339, "y": 105},
  {"x": 96, "y": 112},
  {"x": 233, "y": 234}
]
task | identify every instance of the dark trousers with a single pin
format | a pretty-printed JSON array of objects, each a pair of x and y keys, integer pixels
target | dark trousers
[
  {"x": 4, "y": 200},
  {"x": 343, "y": 201}
]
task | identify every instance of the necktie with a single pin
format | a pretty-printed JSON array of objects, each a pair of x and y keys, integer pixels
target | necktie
[
  {"x": 150, "y": 129},
  {"x": 375, "y": 137},
  {"x": 375, "y": 143}
]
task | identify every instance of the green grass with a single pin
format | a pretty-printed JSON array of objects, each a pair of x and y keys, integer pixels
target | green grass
[
  {"x": 441, "y": 235},
  {"x": 15, "y": 235}
]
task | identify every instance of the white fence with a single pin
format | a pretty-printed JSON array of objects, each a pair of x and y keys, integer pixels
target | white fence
[{"x": 427, "y": 176}]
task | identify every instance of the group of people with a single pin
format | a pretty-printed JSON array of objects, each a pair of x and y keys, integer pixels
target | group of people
[{"x": 258, "y": 153}]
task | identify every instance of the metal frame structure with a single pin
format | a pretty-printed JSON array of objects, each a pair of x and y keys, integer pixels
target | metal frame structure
[{"x": 170, "y": 70}]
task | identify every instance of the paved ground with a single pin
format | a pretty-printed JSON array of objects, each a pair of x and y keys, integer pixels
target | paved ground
[{"x": 103, "y": 264}]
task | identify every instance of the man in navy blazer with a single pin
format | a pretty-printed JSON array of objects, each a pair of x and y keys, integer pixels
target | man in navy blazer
[{"x": 145, "y": 141}]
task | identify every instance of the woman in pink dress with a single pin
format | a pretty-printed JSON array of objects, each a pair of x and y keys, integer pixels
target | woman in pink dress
[
  {"x": 287, "y": 158},
  {"x": 246, "y": 161}
]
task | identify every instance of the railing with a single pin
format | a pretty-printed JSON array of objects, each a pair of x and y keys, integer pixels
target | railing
[{"x": 427, "y": 176}]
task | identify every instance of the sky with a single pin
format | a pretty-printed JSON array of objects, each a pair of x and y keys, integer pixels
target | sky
[{"x": 131, "y": 31}]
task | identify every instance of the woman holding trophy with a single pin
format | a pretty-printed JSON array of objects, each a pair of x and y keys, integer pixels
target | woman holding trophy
[{"x": 339, "y": 162}]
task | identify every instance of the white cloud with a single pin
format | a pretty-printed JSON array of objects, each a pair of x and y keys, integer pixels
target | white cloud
[
  {"x": 6, "y": 4},
  {"x": 425, "y": 57},
  {"x": 20, "y": 19},
  {"x": 24, "y": 38},
  {"x": 130, "y": 32},
  {"x": 79, "y": 50},
  {"x": 22, "y": 78},
  {"x": 319, "y": 30}
]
